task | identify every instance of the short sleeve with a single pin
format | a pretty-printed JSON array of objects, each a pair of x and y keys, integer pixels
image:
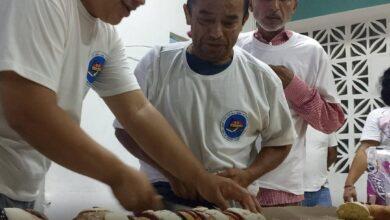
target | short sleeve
[
  {"x": 33, "y": 37},
  {"x": 280, "y": 130},
  {"x": 116, "y": 77},
  {"x": 371, "y": 130}
]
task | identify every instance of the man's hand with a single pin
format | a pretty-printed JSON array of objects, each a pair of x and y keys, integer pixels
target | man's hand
[
  {"x": 242, "y": 177},
  {"x": 217, "y": 190},
  {"x": 285, "y": 74},
  {"x": 350, "y": 194},
  {"x": 181, "y": 189},
  {"x": 134, "y": 192}
]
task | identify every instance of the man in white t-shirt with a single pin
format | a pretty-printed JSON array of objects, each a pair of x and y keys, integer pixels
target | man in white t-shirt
[
  {"x": 219, "y": 99},
  {"x": 52, "y": 53},
  {"x": 321, "y": 153},
  {"x": 305, "y": 71}
]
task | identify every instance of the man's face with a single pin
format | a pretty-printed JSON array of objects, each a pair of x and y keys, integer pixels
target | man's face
[
  {"x": 111, "y": 11},
  {"x": 215, "y": 25},
  {"x": 272, "y": 15}
]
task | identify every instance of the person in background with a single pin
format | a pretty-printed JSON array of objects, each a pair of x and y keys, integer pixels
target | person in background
[
  {"x": 305, "y": 71},
  {"x": 52, "y": 53},
  {"x": 321, "y": 153},
  {"x": 373, "y": 153},
  {"x": 219, "y": 98}
]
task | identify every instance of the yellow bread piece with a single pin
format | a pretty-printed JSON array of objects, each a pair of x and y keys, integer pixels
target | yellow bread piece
[{"x": 353, "y": 211}]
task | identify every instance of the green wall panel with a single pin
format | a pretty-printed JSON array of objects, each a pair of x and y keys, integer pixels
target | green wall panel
[{"x": 314, "y": 8}]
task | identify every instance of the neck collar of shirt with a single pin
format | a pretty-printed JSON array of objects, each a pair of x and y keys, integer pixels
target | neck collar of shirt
[
  {"x": 204, "y": 67},
  {"x": 279, "y": 39}
]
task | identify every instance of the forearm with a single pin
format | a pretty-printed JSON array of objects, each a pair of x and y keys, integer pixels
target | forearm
[
  {"x": 311, "y": 106},
  {"x": 154, "y": 135},
  {"x": 268, "y": 159},
  {"x": 130, "y": 145},
  {"x": 359, "y": 165},
  {"x": 54, "y": 134},
  {"x": 332, "y": 156},
  {"x": 32, "y": 111}
]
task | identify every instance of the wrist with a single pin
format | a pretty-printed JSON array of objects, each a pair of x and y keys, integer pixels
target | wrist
[
  {"x": 118, "y": 175},
  {"x": 199, "y": 178},
  {"x": 349, "y": 186},
  {"x": 251, "y": 174}
]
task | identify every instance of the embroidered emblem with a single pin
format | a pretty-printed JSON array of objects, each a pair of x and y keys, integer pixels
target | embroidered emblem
[
  {"x": 234, "y": 124},
  {"x": 95, "y": 66}
]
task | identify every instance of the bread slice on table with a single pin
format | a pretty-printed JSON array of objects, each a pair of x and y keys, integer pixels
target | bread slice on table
[
  {"x": 159, "y": 215},
  {"x": 353, "y": 211},
  {"x": 101, "y": 214},
  {"x": 243, "y": 214},
  {"x": 210, "y": 214}
]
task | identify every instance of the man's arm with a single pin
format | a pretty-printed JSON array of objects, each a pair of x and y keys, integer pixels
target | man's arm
[
  {"x": 32, "y": 111},
  {"x": 309, "y": 104},
  {"x": 359, "y": 165},
  {"x": 332, "y": 156},
  {"x": 268, "y": 159},
  {"x": 127, "y": 141},
  {"x": 159, "y": 141}
]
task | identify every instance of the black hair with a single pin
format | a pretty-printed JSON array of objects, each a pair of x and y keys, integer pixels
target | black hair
[
  {"x": 385, "y": 92},
  {"x": 190, "y": 4}
]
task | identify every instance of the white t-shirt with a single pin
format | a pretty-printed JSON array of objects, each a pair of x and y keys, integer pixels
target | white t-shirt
[
  {"x": 307, "y": 59},
  {"x": 219, "y": 116},
  {"x": 377, "y": 126},
  {"x": 59, "y": 45},
  {"x": 316, "y": 164}
]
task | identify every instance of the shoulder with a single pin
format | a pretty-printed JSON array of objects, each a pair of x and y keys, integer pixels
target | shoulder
[
  {"x": 253, "y": 65},
  {"x": 174, "y": 47},
  {"x": 307, "y": 42},
  {"x": 163, "y": 53},
  {"x": 376, "y": 113},
  {"x": 244, "y": 38}
]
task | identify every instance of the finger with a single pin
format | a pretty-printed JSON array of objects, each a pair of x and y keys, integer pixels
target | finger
[
  {"x": 257, "y": 204},
  {"x": 221, "y": 202},
  {"x": 157, "y": 203},
  {"x": 223, "y": 174},
  {"x": 249, "y": 204},
  {"x": 192, "y": 194},
  {"x": 154, "y": 203}
]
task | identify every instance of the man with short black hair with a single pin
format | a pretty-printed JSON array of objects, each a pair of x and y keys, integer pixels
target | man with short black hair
[{"x": 219, "y": 98}]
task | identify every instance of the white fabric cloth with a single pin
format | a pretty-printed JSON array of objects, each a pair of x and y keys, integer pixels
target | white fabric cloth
[
  {"x": 219, "y": 116},
  {"x": 316, "y": 164},
  {"x": 307, "y": 59},
  {"x": 55, "y": 44},
  {"x": 377, "y": 126}
]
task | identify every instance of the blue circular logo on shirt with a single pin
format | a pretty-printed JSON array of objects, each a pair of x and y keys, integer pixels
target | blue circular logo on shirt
[
  {"x": 234, "y": 124},
  {"x": 95, "y": 66}
]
